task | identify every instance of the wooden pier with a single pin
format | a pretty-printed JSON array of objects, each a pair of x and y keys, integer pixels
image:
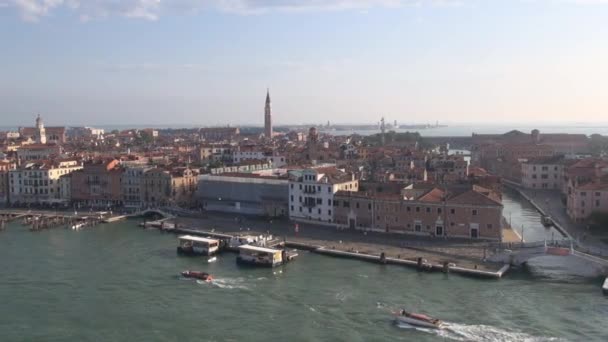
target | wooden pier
[{"x": 41, "y": 220}]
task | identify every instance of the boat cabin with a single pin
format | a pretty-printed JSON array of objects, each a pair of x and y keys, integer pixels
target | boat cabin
[
  {"x": 196, "y": 245},
  {"x": 259, "y": 256},
  {"x": 257, "y": 240}
]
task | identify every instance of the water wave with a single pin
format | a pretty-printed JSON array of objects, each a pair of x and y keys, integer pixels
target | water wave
[
  {"x": 230, "y": 283},
  {"x": 478, "y": 333}
]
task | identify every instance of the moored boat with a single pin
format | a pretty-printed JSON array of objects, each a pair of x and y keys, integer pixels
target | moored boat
[
  {"x": 195, "y": 245},
  {"x": 197, "y": 275},
  {"x": 547, "y": 221},
  {"x": 260, "y": 256},
  {"x": 419, "y": 320}
]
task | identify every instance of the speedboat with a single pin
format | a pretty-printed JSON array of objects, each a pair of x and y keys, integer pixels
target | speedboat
[
  {"x": 417, "y": 319},
  {"x": 197, "y": 275}
]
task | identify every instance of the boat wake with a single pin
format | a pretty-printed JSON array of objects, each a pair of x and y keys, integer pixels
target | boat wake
[
  {"x": 478, "y": 333},
  {"x": 229, "y": 283}
]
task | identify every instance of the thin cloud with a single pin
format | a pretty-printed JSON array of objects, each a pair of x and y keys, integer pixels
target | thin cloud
[{"x": 34, "y": 10}]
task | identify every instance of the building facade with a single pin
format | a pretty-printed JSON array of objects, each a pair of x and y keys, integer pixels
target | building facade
[
  {"x": 469, "y": 214},
  {"x": 38, "y": 182},
  {"x": 543, "y": 173},
  {"x": 169, "y": 187},
  {"x": 244, "y": 193},
  {"x": 132, "y": 184},
  {"x": 98, "y": 184},
  {"x": 311, "y": 193}
]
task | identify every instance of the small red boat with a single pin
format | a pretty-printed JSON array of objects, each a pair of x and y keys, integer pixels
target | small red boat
[{"x": 197, "y": 275}]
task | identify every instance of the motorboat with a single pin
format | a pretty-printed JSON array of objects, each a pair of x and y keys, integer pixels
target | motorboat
[
  {"x": 419, "y": 320},
  {"x": 77, "y": 226},
  {"x": 197, "y": 275},
  {"x": 213, "y": 259},
  {"x": 547, "y": 221}
]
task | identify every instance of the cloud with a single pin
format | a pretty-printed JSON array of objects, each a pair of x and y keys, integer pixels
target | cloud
[{"x": 34, "y": 10}]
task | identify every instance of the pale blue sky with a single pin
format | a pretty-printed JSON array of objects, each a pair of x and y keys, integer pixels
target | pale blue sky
[{"x": 206, "y": 62}]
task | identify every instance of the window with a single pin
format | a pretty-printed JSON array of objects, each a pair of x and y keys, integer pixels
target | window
[
  {"x": 300, "y": 209},
  {"x": 319, "y": 211},
  {"x": 319, "y": 201},
  {"x": 346, "y": 204},
  {"x": 329, "y": 212},
  {"x": 598, "y": 194},
  {"x": 310, "y": 210},
  {"x": 428, "y": 209},
  {"x": 583, "y": 193},
  {"x": 489, "y": 225},
  {"x": 357, "y": 205},
  {"x": 291, "y": 185},
  {"x": 291, "y": 197},
  {"x": 439, "y": 210},
  {"x": 474, "y": 212},
  {"x": 417, "y": 209},
  {"x": 408, "y": 208},
  {"x": 292, "y": 208},
  {"x": 336, "y": 203},
  {"x": 369, "y": 206},
  {"x": 597, "y": 203},
  {"x": 329, "y": 189},
  {"x": 417, "y": 226},
  {"x": 300, "y": 186},
  {"x": 329, "y": 202},
  {"x": 452, "y": 211}
]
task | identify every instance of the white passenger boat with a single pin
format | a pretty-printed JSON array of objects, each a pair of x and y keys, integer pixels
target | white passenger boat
[
  {"x": 605, "y": 287},
  {"x": 253, "y": 240},
  {"x": 196, "y": 245},
  {"x": 260, "y": 256},
  {"x": 419, "y": 320}
]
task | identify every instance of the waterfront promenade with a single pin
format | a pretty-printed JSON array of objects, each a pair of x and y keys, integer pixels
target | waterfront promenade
[{"x": 463, "y": 252}]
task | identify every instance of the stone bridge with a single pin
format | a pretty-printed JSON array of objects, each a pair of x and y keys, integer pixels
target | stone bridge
[
  {"x": 154, "y": 211},
  {"x": 519, "y": 253}
]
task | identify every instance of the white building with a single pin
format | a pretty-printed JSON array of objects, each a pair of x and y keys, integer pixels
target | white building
[
  {"x": 543, "y": 173},
  {"x": 38, "y": 182},
  {"x": 241, "y": 156},
  {"x": 311, "y": 192}
]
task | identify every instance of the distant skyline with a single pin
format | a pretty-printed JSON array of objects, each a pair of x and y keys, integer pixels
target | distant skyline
[{"x": 209, "y": 62}]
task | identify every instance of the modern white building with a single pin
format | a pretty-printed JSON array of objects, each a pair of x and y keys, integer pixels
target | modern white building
[
  {"x": 38, "y": 182},
  {"x": 311, "y": 192}
]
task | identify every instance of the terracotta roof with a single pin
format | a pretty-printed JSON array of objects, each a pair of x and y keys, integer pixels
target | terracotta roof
[
  {"x": 433, "y": 195},
  {"x": 473, "y": 197}
]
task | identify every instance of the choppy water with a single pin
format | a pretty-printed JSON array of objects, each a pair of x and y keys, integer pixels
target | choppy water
[{"x": 120, "y": 283}]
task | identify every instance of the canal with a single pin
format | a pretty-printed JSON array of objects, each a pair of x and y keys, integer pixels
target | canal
[{"x": 120, "y": 283}]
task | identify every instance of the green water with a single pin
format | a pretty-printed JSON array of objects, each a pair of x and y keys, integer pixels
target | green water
[{"x": 119, "y": 283}]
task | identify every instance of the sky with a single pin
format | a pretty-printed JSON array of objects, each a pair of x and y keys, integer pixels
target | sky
[{"x": 209, "y": 62}]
